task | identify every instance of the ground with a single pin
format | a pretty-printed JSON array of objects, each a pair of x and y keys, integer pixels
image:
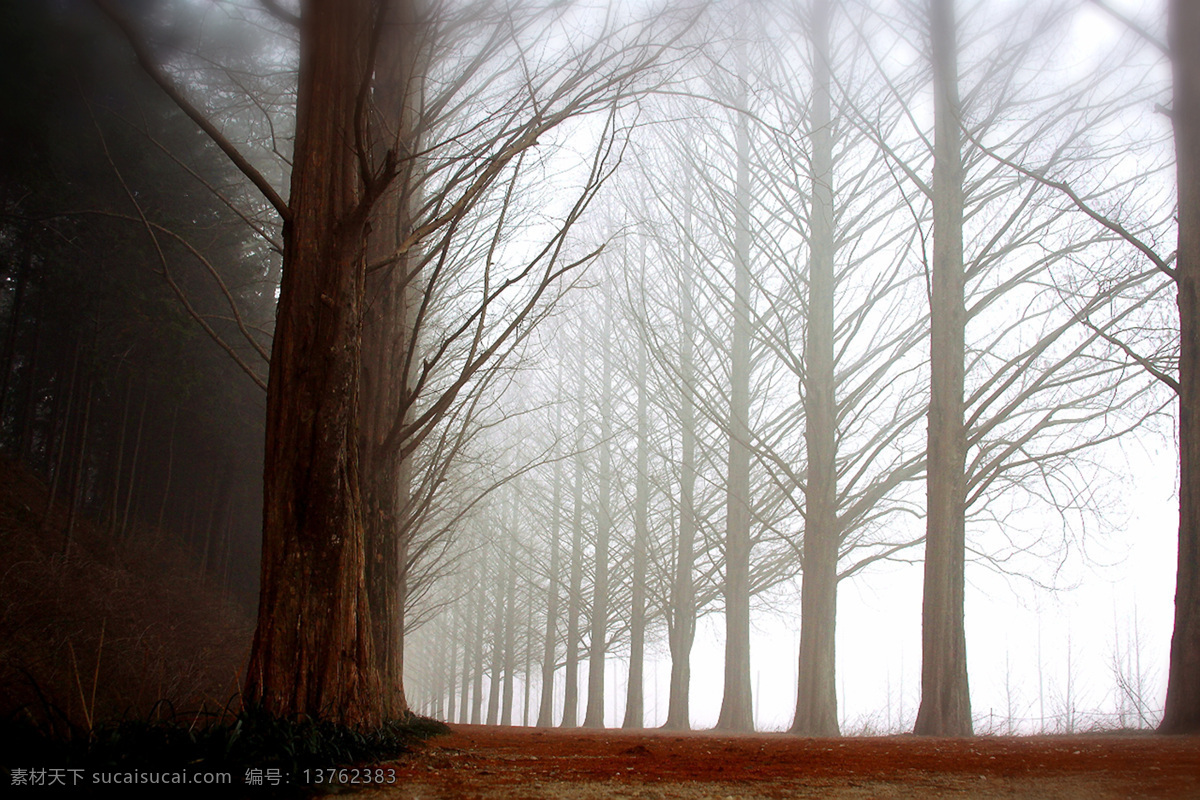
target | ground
[{"x": 490, "y": 762}]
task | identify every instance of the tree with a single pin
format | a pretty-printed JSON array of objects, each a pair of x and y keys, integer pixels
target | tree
[
  {"x": 736, "y": 706},
  {"x": 1181, "y": 713},
  {"x": 816, "y": 709},
  {"x": 313, "y": 651},
  {"x": 945, "y": 700},
  {"x": 343, "y": 168},
  {"x": 594, "y": 715}
]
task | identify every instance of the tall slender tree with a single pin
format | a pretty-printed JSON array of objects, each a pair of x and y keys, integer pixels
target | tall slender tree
[
  {"x": 1181, "y": 712},
  {"x": 816, "y": 696},
  {"x": 945, "y": 700},
  {"x": 736, "y": 704}
]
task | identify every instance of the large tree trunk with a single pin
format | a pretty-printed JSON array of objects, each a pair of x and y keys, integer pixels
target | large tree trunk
[
  {"x": 945, "y": 701},
  {"x": 1181, "y": 713},
  {"x": 386, "y": 338},
  {"x": 737, "y": 705},
  {"x": 313, "y": 653},
  {"x": 816, "y": 696},
  {"x": 682, "y": 623},
  {"x": 594, "y": 716}
]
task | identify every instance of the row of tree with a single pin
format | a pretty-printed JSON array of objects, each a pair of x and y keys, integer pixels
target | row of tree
[{"x": 775, "y": 231}]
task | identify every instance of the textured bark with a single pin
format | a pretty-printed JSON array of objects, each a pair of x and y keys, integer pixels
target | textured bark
[
  {"x": 816, "y": 696},
  {"x": 945, "y": 700},
  {"x": 736, "y": 704},
  {"x": 387, "y": 333},
  {"x": 1181, "y": 712},
  {"x": 313, "y": 653},
  {"x": 594, "y": 716}
]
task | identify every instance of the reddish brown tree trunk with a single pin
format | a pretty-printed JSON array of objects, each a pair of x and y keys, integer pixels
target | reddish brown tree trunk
[
  {"x": 387, "y": 336},
  {"x": 312, "y": 653},
  {"x": 1181, "y": 713}
]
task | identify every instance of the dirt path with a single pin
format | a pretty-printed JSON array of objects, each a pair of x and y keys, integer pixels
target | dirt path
[{"x": 488, "y": 762}]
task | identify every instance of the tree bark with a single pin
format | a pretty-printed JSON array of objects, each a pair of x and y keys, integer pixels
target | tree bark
[
  {"x": 816, "y": 695},
  {"x": 545, "y": 717},
  {"x": 594, "y": 717},
  {"x": 510, "y": 613},
  {"x": 493, "y": 713},
  {"x": 574, "y": 598},
  {"x": 737, "y": 704},
  {"x": 1181, "y": 712},
  {"x": 386, "y": 337},
  {"x": 945, "y": 699},
  {"x": 477, "y": 671},
  {"x": 682, "y": 624},
  {"x": 313, "y": 653},
  {"x": 635, "y": 715}
]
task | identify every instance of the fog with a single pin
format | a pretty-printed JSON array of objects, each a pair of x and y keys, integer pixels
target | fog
[{"x": 807, "y": 366}]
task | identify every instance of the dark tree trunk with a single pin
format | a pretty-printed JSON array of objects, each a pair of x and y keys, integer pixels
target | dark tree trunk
[
  {"x": 122, "y": 435},
  {"x": 166, "y": 492},
  {"x": 945, "y": 700},
  {"x": 386, "y": 338},
  {"x": 26, "y": 418},
  {"x": 60, "y": 434},
  {"x": 816, "y": 696},
  {"x": 14, "y": 323},
  {"x": 313, "y": 653},
  {"x": 131, "y": 481},
  {"x": 78, "y": 471},
  {"x": 1181, "y": 713}
]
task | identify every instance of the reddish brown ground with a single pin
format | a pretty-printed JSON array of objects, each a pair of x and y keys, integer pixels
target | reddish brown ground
[{"x": 489, "y": 762}]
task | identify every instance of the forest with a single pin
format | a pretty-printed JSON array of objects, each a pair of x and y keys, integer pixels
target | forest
[{"x": 574, "y": 364}]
